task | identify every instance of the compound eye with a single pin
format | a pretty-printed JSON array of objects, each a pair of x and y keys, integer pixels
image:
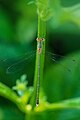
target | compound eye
[{"x": 43, "y": 39}]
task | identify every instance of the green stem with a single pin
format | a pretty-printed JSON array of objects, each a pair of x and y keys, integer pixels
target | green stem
[{"x": 41, "y": 34}]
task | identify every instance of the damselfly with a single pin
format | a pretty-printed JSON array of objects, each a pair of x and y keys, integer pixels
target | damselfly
[{"x": 16, "y": 66}]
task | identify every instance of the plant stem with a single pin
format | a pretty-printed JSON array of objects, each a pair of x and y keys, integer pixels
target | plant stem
[{"x": 39, "y": 58}]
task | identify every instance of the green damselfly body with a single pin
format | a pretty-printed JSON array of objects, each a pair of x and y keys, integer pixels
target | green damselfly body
[{"x": 39, "y": 49}]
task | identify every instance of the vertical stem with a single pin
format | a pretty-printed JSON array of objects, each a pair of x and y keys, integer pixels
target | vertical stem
[{"x": 39, "y": 60}]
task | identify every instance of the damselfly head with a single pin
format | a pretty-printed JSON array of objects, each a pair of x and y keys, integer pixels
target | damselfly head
[{"x": 40, "y": 39}]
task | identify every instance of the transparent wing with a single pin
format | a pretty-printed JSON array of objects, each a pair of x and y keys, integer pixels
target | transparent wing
[
  {"x": 23, "y": 60},
  {"x": 56, "y": 58},
  {"x": 19, "y": 63}
]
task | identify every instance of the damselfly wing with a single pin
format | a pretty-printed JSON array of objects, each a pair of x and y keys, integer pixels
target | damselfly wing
[
  {"x": 19, "y": 64},
  {"x": 58, "y": 58},
  {"x": 15, "y": 65}
]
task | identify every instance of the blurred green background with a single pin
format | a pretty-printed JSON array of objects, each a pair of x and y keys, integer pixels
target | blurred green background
[{"x": 18, "y": 32}]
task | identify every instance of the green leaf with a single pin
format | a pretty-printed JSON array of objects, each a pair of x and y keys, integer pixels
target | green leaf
[
  {"x": 72, "y": 14},
  {"x": 62, "y": 15}
]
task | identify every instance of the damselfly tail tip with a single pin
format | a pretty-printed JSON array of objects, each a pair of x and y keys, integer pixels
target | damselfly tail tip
[{"x": 37, "y": 104}]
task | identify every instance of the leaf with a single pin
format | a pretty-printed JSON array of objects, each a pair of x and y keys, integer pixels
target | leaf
[
  {"x": 73, "y": 14},
  {"x": 62, "y": 15}
]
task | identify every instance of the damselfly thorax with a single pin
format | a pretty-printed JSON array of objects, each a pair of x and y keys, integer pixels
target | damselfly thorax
[{"x": 39, "y": 44}]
